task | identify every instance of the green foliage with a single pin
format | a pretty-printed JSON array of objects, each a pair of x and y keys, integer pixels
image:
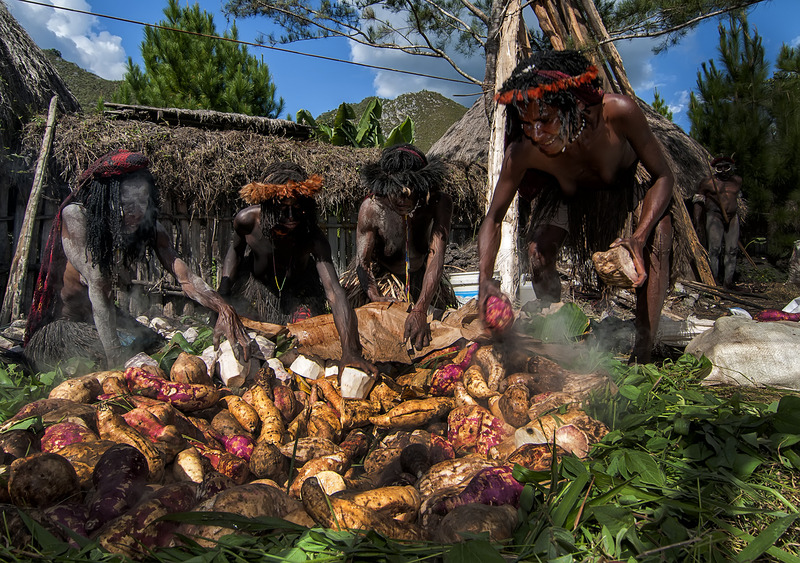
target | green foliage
[
  {"x": 660, "y": 105},
  {"x": 565, "y": 325},
  {"x": 345, "y": 131},
  {"x": 178, "y": 343},
  {"x": 195, "y": 72},
  {"x": 739, "y": 109},
  {"x": 18, "y": 389}
]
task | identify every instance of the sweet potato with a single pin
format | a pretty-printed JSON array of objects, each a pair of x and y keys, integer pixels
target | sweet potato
[
  {"x": 189, "y": 466},
  {"x": 83, "y": 456},
  {"x": 240, "y": 445},
  {"x": 62, "y": 434},
  {"x": 286, "y": 401},
  {"x": 75, "y": 412},
  {"x": 493, "y": 485},
  {"x": 189, "y": 368},
  {"x": 273, "y": 429},
  {"x": 331, "y": 482},
  {"x": 340, "y": 514},
  {"x": 253, "y": 500},
  {"x": 243, "y": 412},
  {"x": 267, "y": 462},
  {"x": 355, "y": 445},
  {"x": 414, "y": 413},
  {"x": 308, "y": 448},
  {"x": 209, "y": 436},
  {"x": 119, "y": 478},
  {"x": 444, "y": 378},
  {"x": 514, "y": 405},
  {"x": 475, "y": 429},
  {"x": 34, "y": 409},
  {"x": 499, "y": 314},
  {"x": 165, "y": 437},
  {"x": 142, "y": 529},
  {"x": 334, "y": 462},
  {"x": 113, "y": 427},
  {"x": 450, "y": 473},
  {"x": 69, "y": 515},
  {"x": 415, "y": 459},
  {"x": 400, "y": 503},
  {"x": 536, "y": 457},
  {"x": 462, "y": 396},
  {"x": 465, "y": 521},
  {"x": 324, "y": 421},
  {"x": 226, "y": 463},
  {"x": 491, "y": 365},
  {"x": 186, "y": 397},
  {"x": 82, "y": 389},
  {"x": 475, "y": 383},
  {"x": 18, "y": 443},
  {"x": 42, "y": 480},
  {"x": 226, "y": 424}
]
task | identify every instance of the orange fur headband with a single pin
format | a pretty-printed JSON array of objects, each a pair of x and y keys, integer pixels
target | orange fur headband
[
  {"x": 256, "y": 192},
  {"x": 562, "y": 81}
]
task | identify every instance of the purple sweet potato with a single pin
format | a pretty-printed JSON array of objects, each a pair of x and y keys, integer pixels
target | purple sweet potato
[
  {"x": 493, "y": 485},
  {"x": 69, "y": 515},
  {"x": 36, "y": 408},
  {"x": 226, "y": 463},
  {"x": 475, "y": 429},
  {"x": 60, "y": 435},
  {"x": 240, "y": 445},
  {"x": 140, "y": 530},
  {"x": 120, "y": 477},
  {"x": 775, "y": 315},
  {"x": 18, "y": 443},
  {"x": 444, "y": 379},
  {"x": 183, "y": 396},
  {"x": 42, "y": 480},
  {"x": 166, "y": 438},
  {"x": 84, "y": 457},
  {"x": 499, "y": 314}
]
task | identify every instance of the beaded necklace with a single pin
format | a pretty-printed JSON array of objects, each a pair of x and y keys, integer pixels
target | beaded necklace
[{"x": 578, "y": 134}]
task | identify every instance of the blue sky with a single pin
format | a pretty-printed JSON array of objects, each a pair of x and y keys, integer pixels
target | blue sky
[{"x": 102, "y": 46}]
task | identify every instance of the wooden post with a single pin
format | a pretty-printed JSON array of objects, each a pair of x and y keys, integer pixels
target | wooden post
[
  {"x": 509, "y": 55},
  {"x": 12, "y": 303},
  {"x": 608, "y": 48}
]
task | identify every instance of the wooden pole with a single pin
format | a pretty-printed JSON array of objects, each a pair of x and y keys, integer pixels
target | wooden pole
[
  {"x": 509, "y": 54},
  {"x": 12, "y": 303}
]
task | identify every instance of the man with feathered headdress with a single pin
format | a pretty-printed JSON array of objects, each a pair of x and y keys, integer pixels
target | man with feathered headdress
[
  {"x": 109, "y": 223},
  {"x": 716, "y": 214},
  {"x": 593, "y": 170},
  {"x": 288, "y": 273},
  {"x": 402, "y": 233}
]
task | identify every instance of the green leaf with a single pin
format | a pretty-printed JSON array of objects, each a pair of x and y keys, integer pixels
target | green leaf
[
  {"x": 473, "y": 551},
  {"x": 766, "y": 539}
]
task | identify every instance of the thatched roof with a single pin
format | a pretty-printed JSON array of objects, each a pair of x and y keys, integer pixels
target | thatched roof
[
  {"x": 28, "y": 79},
  {"x": 468, "y": 140},
  {"x": 207, "y": 168}
]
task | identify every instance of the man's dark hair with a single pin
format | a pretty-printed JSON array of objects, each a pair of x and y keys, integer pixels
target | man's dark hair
[
  {"x": 104, "y": 236},
  {"x": 404, "y": 166}
]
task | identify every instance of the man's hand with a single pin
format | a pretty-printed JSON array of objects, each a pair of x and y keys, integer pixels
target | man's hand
[
  {"x": 635, "y": 247},
  {"x": 486, "y": 289},
  {"x": 417, "y": 329},
  {"x": 229, "y": 325},
  {"x": 356, "y": 361}
]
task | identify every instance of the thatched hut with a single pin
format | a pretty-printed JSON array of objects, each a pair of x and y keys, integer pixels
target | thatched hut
[{"x": 200, "y": 169}]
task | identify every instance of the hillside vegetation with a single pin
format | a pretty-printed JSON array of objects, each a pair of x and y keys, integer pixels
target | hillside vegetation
[
  {"x": 88, "y": 88},
  {"x": 431, "y": 113}
]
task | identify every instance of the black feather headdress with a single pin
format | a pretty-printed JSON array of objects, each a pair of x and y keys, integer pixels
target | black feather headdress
[{"x": 404, "y": 166}]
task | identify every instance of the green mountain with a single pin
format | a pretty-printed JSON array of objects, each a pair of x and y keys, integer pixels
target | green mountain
[
  {"x": 88, "y": 88},
  {"x": 431, "y": 113}
]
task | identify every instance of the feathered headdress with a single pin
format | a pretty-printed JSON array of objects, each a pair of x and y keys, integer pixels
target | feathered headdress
[
  {"x": 556, "y": 82},
  {"x": 255, "y": 193},
  {"x": 404, "y": 166}
]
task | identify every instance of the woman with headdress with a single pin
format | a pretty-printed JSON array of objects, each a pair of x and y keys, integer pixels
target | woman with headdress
[
  {"x": 589, "y": 162},
  {"x": 101, "y": 230},
  {"x": 288, "y": 274},
  {"x": 401, "y": 237}
]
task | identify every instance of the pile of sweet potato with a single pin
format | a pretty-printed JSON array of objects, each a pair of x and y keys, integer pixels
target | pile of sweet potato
[{"x": 423, "y": 457}]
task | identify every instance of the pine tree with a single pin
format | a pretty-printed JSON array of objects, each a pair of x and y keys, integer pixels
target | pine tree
[
  {"x": 194, "y": 71},
  {"x": 660, "y": 105}
]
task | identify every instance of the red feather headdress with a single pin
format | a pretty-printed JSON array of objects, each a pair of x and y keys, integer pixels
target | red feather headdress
[{"x": 561, "y": 81}]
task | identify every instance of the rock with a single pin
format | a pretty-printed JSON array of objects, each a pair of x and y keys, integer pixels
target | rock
[{"x": 750, "y": 353}]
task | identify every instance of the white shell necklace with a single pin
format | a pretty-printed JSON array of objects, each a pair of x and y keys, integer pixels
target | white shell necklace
[{"x": 578, "y": 134}]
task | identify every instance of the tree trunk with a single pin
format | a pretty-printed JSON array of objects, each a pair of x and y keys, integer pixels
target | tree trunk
[
  {"x": 511, "y": 50},
  {"x": 12, "y": 303}
]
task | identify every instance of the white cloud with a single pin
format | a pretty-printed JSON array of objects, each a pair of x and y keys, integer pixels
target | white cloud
[
  {"x": 795, "y": 42},
  {"x": 77, "y": 36}
]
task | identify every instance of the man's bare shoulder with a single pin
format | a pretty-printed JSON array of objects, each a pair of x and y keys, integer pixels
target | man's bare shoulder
[{"x": 247, "y": 219}]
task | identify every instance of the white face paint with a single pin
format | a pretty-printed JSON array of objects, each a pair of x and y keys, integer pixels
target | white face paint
[{"x": 134, "y": 199}]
